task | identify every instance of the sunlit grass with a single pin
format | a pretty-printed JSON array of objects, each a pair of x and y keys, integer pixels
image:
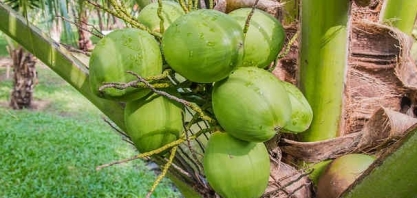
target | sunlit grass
[{"x": 54, "y": 152}]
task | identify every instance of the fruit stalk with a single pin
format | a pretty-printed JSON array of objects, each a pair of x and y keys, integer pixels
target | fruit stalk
[
  {"x": 322, "y": 64},
  {"x": 400, "y": 14}
]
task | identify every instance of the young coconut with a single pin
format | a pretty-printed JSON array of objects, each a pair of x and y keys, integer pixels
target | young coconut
[
  {"x": 121, "y": 51},
  {"x": 236, "y": 168},
  {"x": 251, "y": 104},
  {"x": 264, "y": 39},
  {"x": 204, "y": 46},
  {"x": 301, "y": 114},
  {"x": 148, "y": 16},
  {"x": 153, "y": 122},
  {"x": 341, "y": 173}
]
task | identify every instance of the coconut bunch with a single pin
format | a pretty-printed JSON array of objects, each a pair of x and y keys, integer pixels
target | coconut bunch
[{"x": 206, "y": 68}]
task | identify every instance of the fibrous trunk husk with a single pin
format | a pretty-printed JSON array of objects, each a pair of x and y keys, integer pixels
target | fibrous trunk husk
[
  {"x": 285, "y": 180},
  {"x": 24, "y": 78},
  {"x": 380, "y": 96}
]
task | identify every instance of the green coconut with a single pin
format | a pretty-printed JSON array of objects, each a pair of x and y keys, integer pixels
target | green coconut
[
  {"x": 341, "y": 173},
  {"x": 153, "y": 122},
  {"x": 121, "y": 51},
  {"x": 236, "y": 168},
  {"x": 251, "y": 104},
  {"x": 204, "y": 46},
  {"x": 301, "y": 114},
  {"x": 264, "y": 39},
  {"x": 148, "y": 16}
]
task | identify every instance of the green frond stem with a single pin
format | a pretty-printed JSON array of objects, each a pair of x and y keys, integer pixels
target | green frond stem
[
  {"x": 161, "y": 18},
  {"x": 164, "y": 171},
  {"x": 324, "y": 36},
  {"x": 400, "y": 14}
]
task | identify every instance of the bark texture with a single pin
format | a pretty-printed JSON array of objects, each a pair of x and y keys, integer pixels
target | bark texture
[
  {"x": 24, "y": 78},
  {"x": 84, "y": 41}
]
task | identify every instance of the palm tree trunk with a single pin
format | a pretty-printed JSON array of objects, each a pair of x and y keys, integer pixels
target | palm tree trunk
[
  {"x": 84, "y": 41},
  {"x": 24, "y": 79}
]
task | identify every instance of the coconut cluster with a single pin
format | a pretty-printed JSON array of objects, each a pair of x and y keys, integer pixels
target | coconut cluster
[{"x": 220, "y": 51}]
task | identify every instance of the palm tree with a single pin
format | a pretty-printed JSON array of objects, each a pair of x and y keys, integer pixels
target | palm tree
[
  {"x": 324, "y": 36},
  {"x": 24, "y": 70}
]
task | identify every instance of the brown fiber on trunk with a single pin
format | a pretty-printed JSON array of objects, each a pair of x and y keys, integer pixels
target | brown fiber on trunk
[
  {"x": 380, "y": 96},
  {"x": 371, "y": 79},
  {"x": 84, "y": 41},
  {"x": 285, "y": 180},
  {"x": 24, "y": 78}
]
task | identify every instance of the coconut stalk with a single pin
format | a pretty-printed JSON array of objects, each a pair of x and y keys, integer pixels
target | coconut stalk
[
  {"x": 322, "y": 65},
  {"x": 400, "y": 14}
]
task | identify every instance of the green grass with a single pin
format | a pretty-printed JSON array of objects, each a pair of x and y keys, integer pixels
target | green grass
[{"x": 54, "y": 152}]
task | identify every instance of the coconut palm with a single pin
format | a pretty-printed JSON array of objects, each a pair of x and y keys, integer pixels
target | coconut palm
[
  {"x": 24, "y": 71},
  {"x": 332, "y": 78}
]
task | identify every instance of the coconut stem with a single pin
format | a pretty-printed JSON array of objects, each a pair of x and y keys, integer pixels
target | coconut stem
[
  {"x": 323, "y": 62},
  {"x": 400, "y": 14}
]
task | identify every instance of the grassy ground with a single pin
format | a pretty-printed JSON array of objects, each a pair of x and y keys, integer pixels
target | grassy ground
[{"x": 53, "y": 151}]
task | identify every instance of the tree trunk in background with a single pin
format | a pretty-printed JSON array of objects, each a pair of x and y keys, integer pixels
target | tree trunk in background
[
  {"x": 24, "y": 78},
  {"x": 100, "y": 19},
  {"x": 84, "y": 42}
]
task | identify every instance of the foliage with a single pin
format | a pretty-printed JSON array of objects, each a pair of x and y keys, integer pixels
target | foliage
[
  {"x": 3, "y": 44},
  {"x": 53, "y": 153}
]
